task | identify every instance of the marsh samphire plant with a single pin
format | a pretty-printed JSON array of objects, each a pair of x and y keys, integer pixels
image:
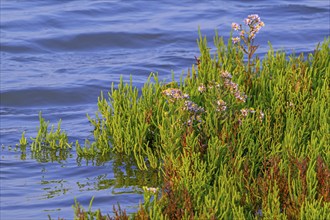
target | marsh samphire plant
[
  {"x": 233, "y": 139},
  {"x": 49, "y": 144}
]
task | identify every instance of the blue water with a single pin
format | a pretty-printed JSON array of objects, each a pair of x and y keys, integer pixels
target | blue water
[{"x": 56, "y": 57}]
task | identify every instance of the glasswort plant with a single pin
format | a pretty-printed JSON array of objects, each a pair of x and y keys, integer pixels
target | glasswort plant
[{"x": 221, "y": 152}]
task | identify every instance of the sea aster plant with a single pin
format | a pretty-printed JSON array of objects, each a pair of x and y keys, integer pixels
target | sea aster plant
[{"x": 254, "y": 24}]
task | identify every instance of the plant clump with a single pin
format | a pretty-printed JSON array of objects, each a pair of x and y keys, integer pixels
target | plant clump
[{"x": 232, "y": 139}]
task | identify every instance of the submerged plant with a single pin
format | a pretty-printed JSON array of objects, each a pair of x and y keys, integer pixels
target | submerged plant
[
  {"x": 54, "y": 139},
  {"x": 48, "y": 145},
  {"x": 23, "y": 141}
]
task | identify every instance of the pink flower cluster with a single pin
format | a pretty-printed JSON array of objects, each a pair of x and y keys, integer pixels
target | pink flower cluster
[
  {"x": 226, "y": 75},
  {"x": 253, "y": 22},
  {"x": 222, "y": 106},
  {"x": 175, "y": 94},
  {"x": 193, "y": 107},
  {"x": 233, "y": 87},
  {"x": 202, "y": 88}
]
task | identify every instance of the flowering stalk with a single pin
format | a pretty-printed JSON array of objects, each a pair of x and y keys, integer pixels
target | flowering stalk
[{"x": 254, "y": 24}]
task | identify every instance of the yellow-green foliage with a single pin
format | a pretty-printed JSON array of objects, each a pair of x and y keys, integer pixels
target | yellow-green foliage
[
  {"x": 229, "y": 141},
  {"x": 50, "y": 145},
  {"x": 227, "y": 147},
  {"x": 53, "y": 139}
]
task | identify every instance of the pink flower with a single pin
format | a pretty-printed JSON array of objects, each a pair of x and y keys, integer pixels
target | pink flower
[
  {"x": 235, "y": 26},
  {"x": 235, "y": 40},
  {"x": 175, "y": 93},
  {"x": 253, "y": 34},
  {"x": 221, "y": 105},
  {"x": 247, "y": 21},
  {"x": 254, "y": 18},
  {"x": 226, "y": 75},
  {"x": 201, "y": 88},
  {"x": 244, "y": 112}
]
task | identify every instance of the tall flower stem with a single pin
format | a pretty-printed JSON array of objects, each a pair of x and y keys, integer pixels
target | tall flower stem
[{"x": 247, "y": 37}]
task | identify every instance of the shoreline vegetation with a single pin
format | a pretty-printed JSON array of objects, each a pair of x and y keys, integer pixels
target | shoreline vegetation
[{"x": 236, "y": 138}]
